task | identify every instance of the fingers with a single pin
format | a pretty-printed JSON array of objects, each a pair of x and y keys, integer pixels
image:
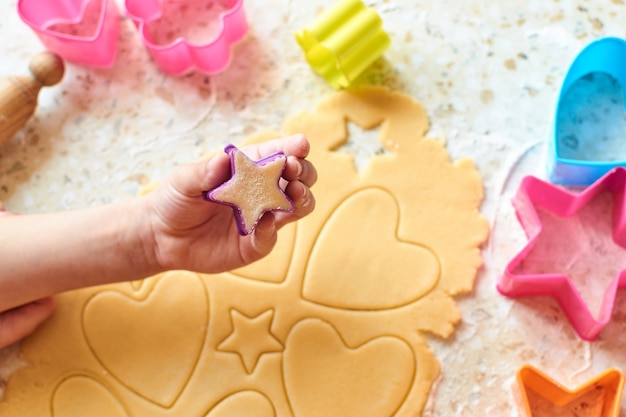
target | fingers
[
  {"x": 191, "y": 180},
  {"x": 19, "y": 322},
  {"x": 300, "y": 170},
  {"x": 296, "y": 145},
  {"x": 302, "y": 198},
  {"x": 264, "y": 236}
]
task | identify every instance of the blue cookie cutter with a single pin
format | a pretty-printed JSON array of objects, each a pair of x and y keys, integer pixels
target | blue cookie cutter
[{"x": 606, "y": 55}]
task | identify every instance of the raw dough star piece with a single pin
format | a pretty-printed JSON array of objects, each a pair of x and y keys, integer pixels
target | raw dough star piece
[{"x": 253, "y": 189}]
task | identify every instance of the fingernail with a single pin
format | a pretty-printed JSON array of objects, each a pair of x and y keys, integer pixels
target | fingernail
[
  {"x": 305, "y": 196},
  {"x": 300, "y": 168}
]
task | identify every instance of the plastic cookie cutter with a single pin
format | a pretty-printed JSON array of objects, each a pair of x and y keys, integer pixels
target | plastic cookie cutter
[
  {"x": 180, "y": 56},
  {"x": 85, "y": 32},
  {"x": 600, "y": 396},
  {"x": 343, "y": 41},
  {"x": 253, "y": 189},
  {"x": 605, "y": 55},
  {"x": 534, "y": 193}
]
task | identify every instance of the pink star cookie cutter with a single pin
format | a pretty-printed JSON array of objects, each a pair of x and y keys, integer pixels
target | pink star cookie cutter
[
  {"x": 535, "y": 192},
  {"x": 182, "y": 56}
]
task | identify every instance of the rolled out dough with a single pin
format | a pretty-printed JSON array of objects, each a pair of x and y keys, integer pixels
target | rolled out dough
[{"x": 330, "y": 323}]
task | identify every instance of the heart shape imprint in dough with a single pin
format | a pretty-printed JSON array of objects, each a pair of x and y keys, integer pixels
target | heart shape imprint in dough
[
  {"x": 359, "y": 263},
  {"x": 244, "y": 403},
  {"x": 324, "y": 377},
  {"x": 151, "y": 345},
  {"x": 81, "y": 395}
]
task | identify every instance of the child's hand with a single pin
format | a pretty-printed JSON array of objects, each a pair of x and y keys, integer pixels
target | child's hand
[
  {"x": 23, "y": 320},
  {"x": 191, "y": 233}
]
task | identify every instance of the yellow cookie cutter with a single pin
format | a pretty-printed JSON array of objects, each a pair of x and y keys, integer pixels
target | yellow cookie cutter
[{"x": 343, "y": 41}]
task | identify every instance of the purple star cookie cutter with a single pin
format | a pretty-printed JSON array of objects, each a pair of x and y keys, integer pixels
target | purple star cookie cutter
[
  {"x": 534, "y": 192},
  {"x": 253, "y": 187}
]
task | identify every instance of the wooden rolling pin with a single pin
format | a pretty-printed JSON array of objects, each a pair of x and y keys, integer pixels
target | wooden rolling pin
[{"x": 18, "y": 95}]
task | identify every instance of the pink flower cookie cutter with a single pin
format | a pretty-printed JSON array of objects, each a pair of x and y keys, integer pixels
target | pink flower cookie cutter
[
  {"x": 85, "y": 32},
  {"x": 181, "y": 56},
  {"x": 534, "y": 192}
]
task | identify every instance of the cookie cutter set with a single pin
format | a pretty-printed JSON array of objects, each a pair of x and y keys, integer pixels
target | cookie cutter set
[
  {"x": 99, "y": 48},
  {"x": 339, "y": 44},
  {"x": 606, "y": 56}
]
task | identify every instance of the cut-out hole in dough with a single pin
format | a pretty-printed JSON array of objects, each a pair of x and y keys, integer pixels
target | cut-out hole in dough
[{"x": 362, "y": 145}]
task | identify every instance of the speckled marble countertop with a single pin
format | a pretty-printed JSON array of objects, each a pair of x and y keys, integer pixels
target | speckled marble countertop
[{"x": 487, "y": 72}]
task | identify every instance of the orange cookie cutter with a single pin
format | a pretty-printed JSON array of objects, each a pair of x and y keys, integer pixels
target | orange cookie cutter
[{"x": 611, "y": 381}]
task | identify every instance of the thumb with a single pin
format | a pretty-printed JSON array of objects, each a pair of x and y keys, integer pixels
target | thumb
[{"x": 192, "y": 179}]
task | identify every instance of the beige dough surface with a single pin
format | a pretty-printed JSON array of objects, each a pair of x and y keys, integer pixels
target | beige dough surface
[{"x": 330, "y": 324}]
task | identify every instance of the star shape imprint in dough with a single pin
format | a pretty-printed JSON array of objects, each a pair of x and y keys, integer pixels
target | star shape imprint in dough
[
  {"x": 533, "y": 193},
  {"x": 251, "y": 337},
  {"x": 542, "y": 396},
  {"x": 253, "y": 188}
]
